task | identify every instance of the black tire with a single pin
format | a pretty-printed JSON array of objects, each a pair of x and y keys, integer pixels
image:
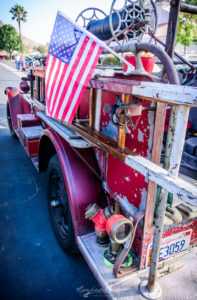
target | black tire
[
  {"x": 60, "y": 215},
  {"x": 9, "y": 120}
]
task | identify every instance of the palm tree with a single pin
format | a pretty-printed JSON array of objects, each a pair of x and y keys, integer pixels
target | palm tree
[{"x": 19, "y": 14}]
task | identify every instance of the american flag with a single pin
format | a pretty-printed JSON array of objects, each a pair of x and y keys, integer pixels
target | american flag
[{"x": 71, "y": 60}]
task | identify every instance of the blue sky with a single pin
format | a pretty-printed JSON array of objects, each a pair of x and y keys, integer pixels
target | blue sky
[{"x": 42, "y": 13}]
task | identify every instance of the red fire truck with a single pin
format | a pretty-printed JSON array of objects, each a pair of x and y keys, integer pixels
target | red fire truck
[{"x": 107, "y": 191}]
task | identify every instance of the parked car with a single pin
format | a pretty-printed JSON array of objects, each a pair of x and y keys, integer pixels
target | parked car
[
  {"x": 2, "y": 57},
  {"x": 31, "y": 61}
]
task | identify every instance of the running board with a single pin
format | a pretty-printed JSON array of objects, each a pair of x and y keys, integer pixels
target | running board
[
  {"x": 29, "y": 138},
  {"x": 171, "y": 273},
  {"x": 122, "y": 288},
  {"x": 74, "y": 139}
]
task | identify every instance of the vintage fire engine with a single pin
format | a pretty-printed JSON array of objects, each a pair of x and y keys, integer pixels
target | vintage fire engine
[{"x": 106, "y": 189}]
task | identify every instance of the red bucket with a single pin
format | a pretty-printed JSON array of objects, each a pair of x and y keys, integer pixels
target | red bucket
[{"x": 147, "y": 61}]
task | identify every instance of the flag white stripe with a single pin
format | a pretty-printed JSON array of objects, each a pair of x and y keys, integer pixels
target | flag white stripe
[
  {"x": 56, "y": 85},
  {"x": 52, "y": 77},
  {"x": 80, "y": 86},
  {"x": 75, "y": 75},
  {"x": 48, "y": 67},
  {"x": 68, "y": 72}
]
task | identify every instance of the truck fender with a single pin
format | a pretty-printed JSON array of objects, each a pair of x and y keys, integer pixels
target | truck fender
[
  {"x": 17, "y": 105},
  {"x": 83, "y": 187}
]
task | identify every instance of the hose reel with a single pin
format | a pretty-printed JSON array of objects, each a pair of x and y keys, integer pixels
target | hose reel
[{"x": 133, "y": 14}]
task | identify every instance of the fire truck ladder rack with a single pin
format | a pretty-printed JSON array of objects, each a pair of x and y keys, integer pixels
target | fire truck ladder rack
[{"x": 183, "y": 97}]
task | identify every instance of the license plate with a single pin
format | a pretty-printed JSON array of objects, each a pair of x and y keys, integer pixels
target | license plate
[{"x": 171, "y": 245}]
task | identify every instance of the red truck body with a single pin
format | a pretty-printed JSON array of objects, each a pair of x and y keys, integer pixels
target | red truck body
[{"x": 94, "y": 173}]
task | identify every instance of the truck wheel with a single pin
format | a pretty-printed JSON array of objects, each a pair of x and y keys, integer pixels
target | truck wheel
[
  {"x": 9, "y": 120},
  {"x": 59, "y": 207}
]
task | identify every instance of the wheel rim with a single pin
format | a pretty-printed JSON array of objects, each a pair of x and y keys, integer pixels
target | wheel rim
[{"x": 59, "y": 212}]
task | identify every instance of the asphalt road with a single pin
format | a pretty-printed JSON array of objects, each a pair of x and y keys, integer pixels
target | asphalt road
[{"x": 32, "y": 265}]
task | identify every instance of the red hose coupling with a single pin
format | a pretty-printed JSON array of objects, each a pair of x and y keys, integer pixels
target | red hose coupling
[
  {"x": 99, "y": 220},
  {"x": 119, "y": 228},
  {"x": 99, "y": 217}
]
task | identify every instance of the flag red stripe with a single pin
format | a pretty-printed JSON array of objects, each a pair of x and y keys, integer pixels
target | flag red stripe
[
  {"x": 70, "y": 77},
  {"x": 53, "y": 84},
  {"x": 78, "y": 79},
  {"x": 85, "y": 85},
  {"x": 50, "y": 73},
  {"x": 47, "y": 61},
  {"x": 46, "y": 82},
  {"x": 59, "y": 85}
]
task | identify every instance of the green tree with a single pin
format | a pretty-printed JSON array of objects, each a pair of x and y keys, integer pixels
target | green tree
[
  {"x": 19, "y": 14},
  {"x": 42, "y": 49},
  {"x": 111, "y": 60},
  {"x": 9, "y": 39},
  {"x": 187, "y": 28},
  {"x": 25, "y": 48}
]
